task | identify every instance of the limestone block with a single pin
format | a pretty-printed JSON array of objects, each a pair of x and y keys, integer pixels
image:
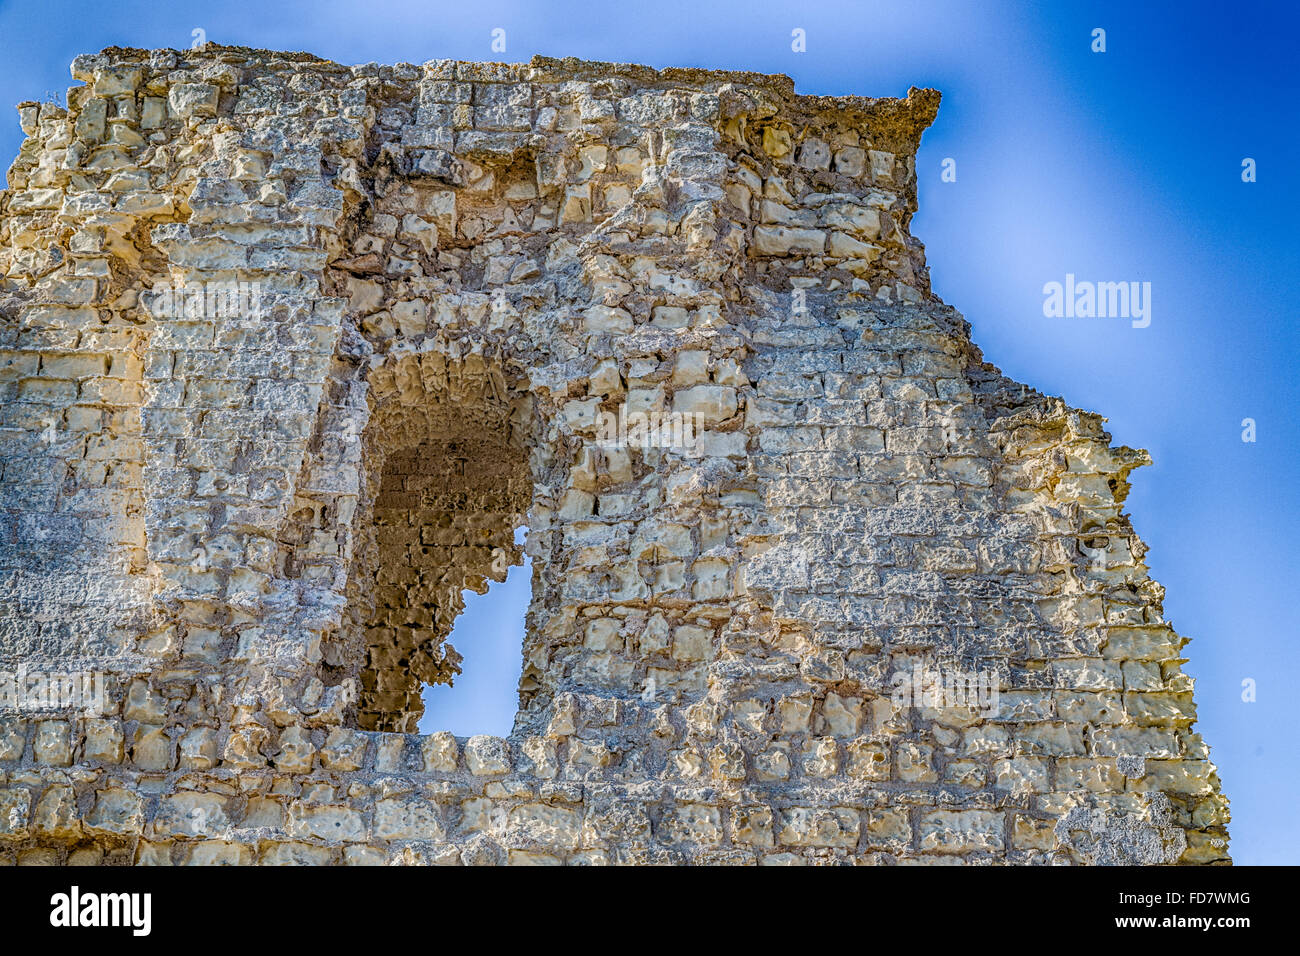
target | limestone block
[
  {"x": 186, "y": 100},
  {"x": 486, "y": 755},
  {"x": 14, "y": 806},
  {"x": 811, "y": 826},
  {"x": 951, "y": 831},
  {"x": 785, "y": 241}
]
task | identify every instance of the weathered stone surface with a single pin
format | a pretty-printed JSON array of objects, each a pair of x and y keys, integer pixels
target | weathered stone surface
[{"x": 288, "y": 352}]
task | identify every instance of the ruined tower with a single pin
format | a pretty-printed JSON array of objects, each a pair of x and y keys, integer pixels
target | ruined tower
[{"x": 290, "y": 351}]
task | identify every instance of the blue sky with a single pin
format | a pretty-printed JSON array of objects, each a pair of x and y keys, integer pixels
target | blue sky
[{"x": 1115, "y": 166}]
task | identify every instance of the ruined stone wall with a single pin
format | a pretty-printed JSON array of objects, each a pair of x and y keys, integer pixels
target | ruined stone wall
[{"x": 257, "y": 520}]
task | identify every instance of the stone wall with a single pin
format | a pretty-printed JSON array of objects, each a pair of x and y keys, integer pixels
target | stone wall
[{"x": 254, "y": 513}]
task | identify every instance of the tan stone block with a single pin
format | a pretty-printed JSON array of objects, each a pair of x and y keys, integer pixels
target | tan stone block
[
  {"x": 335, "y": 824},
  {"x": 486, "y": 755},
  {"x": 776, "y": 142},
  {"x": 193, "y": 99},
  {"x": 57, "y": 814},
  {"x": 692, "y": 823},
  {"x": 887, "y": 830},
  {"x": 712, "y": 403},
  {"x": 787, "y": 241},
  {"x": 53, "y": 745},
  {"x": 821, "y": 757},
  {"x": 344, "y": 750},
  {"x": 295, "y": 854},
  {"x": 868, "y": 759},
  {"x": 217, "y": 853},
  {"x": 812, "y": 826},
  {"x": 441, "y": 752},
  {"x": 151, "y": 748},
  {"x": 882, "y": 165},
  {"x": 967, "y": 831},
  {"x": 190, "y": 814},
  {"x": 752, "y": 826},
  {"x": 198, "y": 749},
  {"x": 1030, "y": 834},
  {"x": 915, "y": 762},
  {"x": 116, "y": 812},
  {"x": 14, "y": 806},
  {"x": 549, "y": 826},
  {"x": 692, "y": 643}
]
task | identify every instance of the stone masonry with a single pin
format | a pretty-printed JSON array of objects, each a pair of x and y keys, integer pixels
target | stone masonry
[{"x": 422, "y": 291}]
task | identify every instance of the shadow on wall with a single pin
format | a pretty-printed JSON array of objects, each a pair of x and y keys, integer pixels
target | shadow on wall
[{"x": 489, "y": 634}]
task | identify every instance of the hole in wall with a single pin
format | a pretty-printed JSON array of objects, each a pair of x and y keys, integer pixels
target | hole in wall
[
  {"x": 489, "y": 635},
  {"x": 446, "y": 489}
]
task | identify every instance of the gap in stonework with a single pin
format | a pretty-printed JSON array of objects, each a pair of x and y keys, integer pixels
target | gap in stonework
[{"x": 489, "y": 634}]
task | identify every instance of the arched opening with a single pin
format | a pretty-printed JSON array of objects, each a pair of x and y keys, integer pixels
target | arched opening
[{"x": 446, "y": 485}]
